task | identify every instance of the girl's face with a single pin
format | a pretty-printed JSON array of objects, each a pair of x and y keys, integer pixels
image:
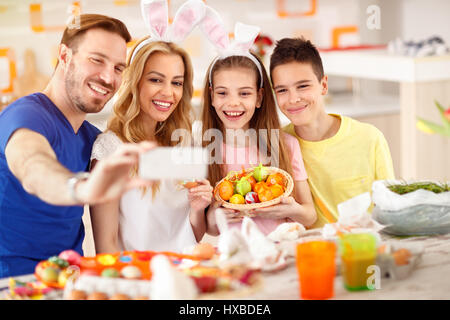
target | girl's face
[
  {"x": 161, "y": 86},
  {"x": 235, "y": 96}
]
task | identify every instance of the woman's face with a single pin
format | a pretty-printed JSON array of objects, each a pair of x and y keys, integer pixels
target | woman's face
[
  {"x": 235, "y": 96},
  {"x": 161, "y": 86}
]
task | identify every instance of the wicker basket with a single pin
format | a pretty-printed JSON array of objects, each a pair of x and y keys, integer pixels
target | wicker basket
[{"x": 288, "y": 187}]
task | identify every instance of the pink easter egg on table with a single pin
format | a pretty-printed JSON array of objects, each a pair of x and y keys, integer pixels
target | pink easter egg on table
[{"x": 71, "y": 256}]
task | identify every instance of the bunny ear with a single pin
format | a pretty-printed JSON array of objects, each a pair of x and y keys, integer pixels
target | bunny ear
[
  {"x": 244, "y": 36},
  {"x": 156, "y": 16},
  {"x": 212, "y": 25},
  {"x": 186, "y": 18}
]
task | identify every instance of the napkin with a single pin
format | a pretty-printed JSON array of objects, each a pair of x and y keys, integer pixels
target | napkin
[
  {"x": 168, "y": 283},
  {"x": 353, "y": 218},
  {"x": 263, "y": 251},
  {"x": 287, "y": 231},
  {"x": 247, "y": 246},
  {"x": 231, "y": 244}
]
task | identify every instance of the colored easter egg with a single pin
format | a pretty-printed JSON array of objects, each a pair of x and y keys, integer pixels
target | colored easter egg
[
  {"x": 61, "y": 263},
  {"x": 49, "y": 274},
  {"x": 243, "y": 187},
  {"x": 237, "y": 199},
  {"x": 204, "y": 250},
  {"x": 277, "y": 190},
  {"x": 260, "y": 173},
  {"x": 275, "y": 178},
  {"x": 77, "y": 295},
  {"x": 225, "y": 189},
  {"x": 97, "y": 296},
  {"x": 71, "y": 256},
  {"x": 110, "y": 273},
  {"x": 265, "y": 195},
  {"x": 251, "y": 197},
  {"x": 131, "y": 272}
]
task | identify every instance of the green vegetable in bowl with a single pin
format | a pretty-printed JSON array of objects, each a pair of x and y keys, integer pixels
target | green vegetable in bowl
[{"x": 410, "y": 187}]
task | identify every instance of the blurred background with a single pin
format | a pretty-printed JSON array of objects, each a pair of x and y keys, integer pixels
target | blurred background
[
  {"x": 375, "y": 52},
  {"x": 387, "y": 61}
]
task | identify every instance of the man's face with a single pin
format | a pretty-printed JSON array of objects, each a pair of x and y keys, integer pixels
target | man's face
[
  {"x": 94, "y": 72},
  {"x": 299, "y": 92}
]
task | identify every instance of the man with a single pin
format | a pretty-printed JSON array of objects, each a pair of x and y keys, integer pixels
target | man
[
  {"x": 45, "y": 145},
  {"x": 342, "y": 156}
]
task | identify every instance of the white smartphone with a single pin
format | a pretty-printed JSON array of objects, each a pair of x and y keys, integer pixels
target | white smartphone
[{"x": 174, "y": 163}]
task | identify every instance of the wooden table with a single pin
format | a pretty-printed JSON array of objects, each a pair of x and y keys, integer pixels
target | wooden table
[{"x": 429, "y": 280}]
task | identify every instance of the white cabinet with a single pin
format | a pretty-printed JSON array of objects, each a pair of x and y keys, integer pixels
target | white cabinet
[{"x": 421, "y": 81}]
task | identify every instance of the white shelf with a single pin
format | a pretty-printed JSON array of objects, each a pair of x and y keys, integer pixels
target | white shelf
[
  {"x": 379, "y": 65},
  {"x": 354, "y": 107}
]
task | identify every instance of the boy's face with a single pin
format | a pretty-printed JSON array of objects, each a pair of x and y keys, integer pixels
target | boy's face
[{"x": 299, "y": 92}]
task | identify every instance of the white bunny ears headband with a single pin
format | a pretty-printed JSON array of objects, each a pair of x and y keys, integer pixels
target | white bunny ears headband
[
  {"x": 191, "y": 13},
  {"x": 244, "y": 37},
  {"x": 156, "y": 17}
]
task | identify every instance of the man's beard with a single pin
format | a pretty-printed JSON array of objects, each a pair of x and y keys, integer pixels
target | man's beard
[{"x": 74, "y": 84}]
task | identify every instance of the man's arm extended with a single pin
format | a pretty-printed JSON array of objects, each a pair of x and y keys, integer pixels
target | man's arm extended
[{"x": 32, "y": 160}]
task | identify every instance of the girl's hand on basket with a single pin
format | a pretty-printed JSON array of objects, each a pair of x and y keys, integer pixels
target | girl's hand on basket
[
  {"x": 286, "y": 208},
  {"x": 200, "y": 197},
  {"x": 232, "y": 216}
]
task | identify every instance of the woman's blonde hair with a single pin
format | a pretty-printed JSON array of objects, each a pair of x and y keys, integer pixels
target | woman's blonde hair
[
  {"x": 125, "y": 121},
  {"x": 265, "y": 117}
]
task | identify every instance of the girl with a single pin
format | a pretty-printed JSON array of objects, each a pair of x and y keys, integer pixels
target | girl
[
  {"x": 153, "y": 101},
  {"x": 238, "y": 95}
]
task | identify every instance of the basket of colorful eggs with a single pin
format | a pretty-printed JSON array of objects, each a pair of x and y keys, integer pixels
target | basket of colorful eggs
[{"x": 253, "y": 188}]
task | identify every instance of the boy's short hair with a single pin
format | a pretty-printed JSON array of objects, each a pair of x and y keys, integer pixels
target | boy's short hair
[{"x": 296, "y": 50}]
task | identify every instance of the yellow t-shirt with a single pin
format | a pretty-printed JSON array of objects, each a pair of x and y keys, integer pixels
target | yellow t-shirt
[{"x": 344, "y": 166}]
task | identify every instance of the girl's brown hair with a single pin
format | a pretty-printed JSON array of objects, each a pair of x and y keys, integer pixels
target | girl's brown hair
[{"x": 265, "y": 117}]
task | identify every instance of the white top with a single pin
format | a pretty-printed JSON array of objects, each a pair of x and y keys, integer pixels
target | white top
[{"x": 145, "y": 223}]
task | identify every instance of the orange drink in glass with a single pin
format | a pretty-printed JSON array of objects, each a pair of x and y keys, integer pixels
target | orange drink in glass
[{"x": 316, "y": 269}]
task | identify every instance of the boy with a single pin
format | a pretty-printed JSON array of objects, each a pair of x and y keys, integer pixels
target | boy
[{"x": 342, "y": 156}]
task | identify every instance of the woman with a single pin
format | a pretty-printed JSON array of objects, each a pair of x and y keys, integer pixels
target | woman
[{"x": 153, "y": 101}]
